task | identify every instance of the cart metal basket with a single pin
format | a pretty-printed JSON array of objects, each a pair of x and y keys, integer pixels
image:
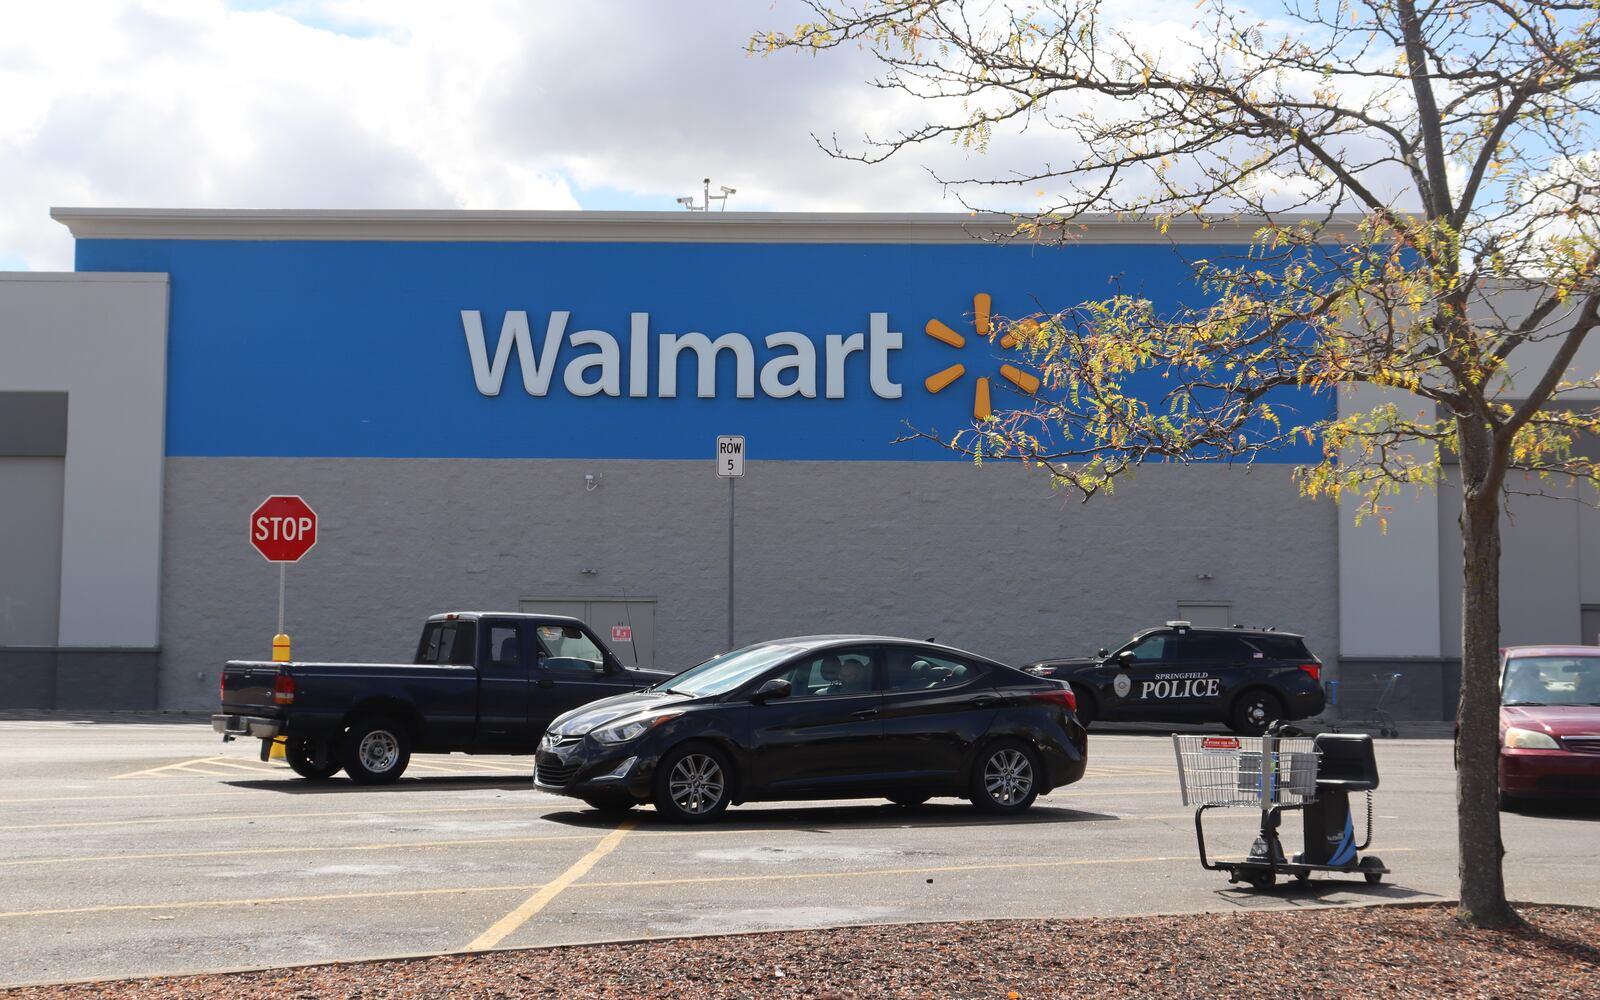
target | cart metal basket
[{"x": 1227, "y": 771}]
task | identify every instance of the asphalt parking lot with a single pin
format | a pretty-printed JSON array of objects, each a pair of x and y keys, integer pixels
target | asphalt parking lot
[{"x": 143, "y": 847}]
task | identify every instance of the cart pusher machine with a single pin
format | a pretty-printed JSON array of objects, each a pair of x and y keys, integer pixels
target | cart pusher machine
[{"x": 1275, "y": 773}]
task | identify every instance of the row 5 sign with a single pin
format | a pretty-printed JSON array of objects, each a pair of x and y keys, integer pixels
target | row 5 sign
[{"x": 283, "y": 529}]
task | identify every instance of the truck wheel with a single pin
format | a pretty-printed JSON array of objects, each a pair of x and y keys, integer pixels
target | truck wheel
[
  {"x": 694, "y": 783},
  {"x": 376, "y": 751},
  {"x": 1254, "y": 711},
  {"x": 313, "y": 760},
  {"x": 1005, "y": 777}
]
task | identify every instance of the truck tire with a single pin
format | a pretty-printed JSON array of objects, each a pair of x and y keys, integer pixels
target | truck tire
[
  {"x": 314, "y": 760},
  {"x": 376, "y": 751}
]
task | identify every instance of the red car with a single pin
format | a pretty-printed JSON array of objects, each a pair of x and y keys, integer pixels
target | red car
[{"x": 1549, "y": 723}]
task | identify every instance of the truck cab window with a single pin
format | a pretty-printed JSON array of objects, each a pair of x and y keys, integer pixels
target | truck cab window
[
  {"x": 505, "y": 647},
  {"x": 564, "y": 647},
  {"x": 448, "y": 642}
]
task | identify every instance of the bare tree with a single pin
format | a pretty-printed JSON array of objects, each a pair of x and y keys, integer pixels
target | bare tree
[{"x": 1409, "y": 164}]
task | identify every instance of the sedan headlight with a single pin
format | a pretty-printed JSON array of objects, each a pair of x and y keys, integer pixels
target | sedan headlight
[
  {"x": 1530, "y": 739},
  {"x": 632, "y": 729}
]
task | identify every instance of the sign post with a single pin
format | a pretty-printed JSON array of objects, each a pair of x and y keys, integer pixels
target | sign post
[
  {"x": 283, "y": 529},
  {"x": 730, "y": 466}
]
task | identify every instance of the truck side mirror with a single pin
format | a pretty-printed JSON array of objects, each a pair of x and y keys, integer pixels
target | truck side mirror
[{"x": 776, "y": 687}]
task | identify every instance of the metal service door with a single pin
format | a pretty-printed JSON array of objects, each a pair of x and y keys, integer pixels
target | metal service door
[{"x": 627, "y": 625}]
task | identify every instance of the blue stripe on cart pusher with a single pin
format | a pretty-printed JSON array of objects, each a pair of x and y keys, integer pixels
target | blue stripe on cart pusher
[{"x": 1346, "y": 851}]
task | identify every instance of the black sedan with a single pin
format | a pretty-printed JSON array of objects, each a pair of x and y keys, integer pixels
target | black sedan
[{"x": 821, "y": 717}]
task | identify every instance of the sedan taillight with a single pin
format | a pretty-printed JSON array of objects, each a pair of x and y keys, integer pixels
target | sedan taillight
[
  {"x": 1060, "y": 696},
  {"x": 283, "y": 690}
]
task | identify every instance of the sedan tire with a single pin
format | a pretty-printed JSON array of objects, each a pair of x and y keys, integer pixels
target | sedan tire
[
  {"x": 694, "y": 783},
  {"x": 1005, "y": 777},
  {"x": 376, "y": 751}
]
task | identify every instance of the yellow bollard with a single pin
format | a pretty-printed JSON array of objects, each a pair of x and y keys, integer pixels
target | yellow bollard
[{"x": 280, "y": 654}]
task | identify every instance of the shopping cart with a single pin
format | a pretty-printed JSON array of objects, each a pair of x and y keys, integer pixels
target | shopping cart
[
  {"x": 1274, "y": 773},
  {"x": 1366, "y": 702}
]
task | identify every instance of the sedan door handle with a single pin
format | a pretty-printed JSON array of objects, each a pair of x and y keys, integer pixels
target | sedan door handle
[
  {"x": 546, "y": 682},
  {"x": 865, "y": 713},
  {"x": 985, "y": 701}
]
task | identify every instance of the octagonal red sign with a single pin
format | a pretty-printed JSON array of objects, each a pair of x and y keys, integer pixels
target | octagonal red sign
[{"x": 283, "y": 529}]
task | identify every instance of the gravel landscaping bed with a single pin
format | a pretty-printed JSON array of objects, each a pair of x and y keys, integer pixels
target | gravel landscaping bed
[{"x": 1364, "y": 951}]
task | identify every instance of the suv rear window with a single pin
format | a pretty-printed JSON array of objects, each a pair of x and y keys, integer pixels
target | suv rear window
[{"x": 1280, "y": 647}]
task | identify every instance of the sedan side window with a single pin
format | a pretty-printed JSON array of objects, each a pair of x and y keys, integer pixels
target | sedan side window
[
  {"x": 830, "y": 674},
  {"x": 915, "y": 670}
]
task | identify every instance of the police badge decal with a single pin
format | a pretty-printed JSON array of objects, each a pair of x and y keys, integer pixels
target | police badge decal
[{"x": 1122, "y": 685}]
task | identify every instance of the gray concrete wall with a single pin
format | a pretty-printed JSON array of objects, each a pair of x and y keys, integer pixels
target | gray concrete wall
[
  {"x": 989, "y": 559},
  {"x": 78, "y": 679},
  {"x": 101, "y": 339}
]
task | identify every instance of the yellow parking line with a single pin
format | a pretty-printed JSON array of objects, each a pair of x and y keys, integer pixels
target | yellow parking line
[
  {"x": 550, "y": 890},
  {"x": 406, "y": 845},
  {"x": 114, "y": 798},
  {"x": 409, "y": 811},
  {"x": 261, "y": 900}
]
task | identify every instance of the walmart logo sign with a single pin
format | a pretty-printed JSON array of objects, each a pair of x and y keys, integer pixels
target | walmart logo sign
[{"x": 592, "y": 363}]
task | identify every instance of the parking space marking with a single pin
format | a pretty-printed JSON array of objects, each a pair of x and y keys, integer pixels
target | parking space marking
[
  {"x": 550, "y": 890},
  {"x": 205, "y": 767},
  {"x": 335, "y": 848},
  {"x": 192, "y": 904},
  {"x": 223, "y": 818}
]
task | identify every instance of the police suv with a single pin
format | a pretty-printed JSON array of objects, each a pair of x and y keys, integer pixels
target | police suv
[{"x": 1245, "y": 677}]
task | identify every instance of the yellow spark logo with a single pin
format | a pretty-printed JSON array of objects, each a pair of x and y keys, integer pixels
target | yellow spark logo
[{"x": 939, "y": 381}]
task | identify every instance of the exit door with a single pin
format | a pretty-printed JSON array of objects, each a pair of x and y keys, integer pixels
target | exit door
[{"x": 628, "y": 626}]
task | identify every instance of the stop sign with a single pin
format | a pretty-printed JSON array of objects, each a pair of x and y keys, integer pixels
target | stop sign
[{"x": 283, "y": 529}]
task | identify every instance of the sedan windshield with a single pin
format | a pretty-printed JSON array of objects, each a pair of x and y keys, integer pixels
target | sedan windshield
[
  {"x": 722, "y": 674},
  {"x": 1551, "y": 680}
]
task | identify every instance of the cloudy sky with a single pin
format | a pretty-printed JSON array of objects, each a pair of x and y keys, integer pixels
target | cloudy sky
[{"x": 533, "y": 104}]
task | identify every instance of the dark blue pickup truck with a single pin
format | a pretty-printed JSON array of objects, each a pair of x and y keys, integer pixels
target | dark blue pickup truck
[{"x": 481, "y": 683}]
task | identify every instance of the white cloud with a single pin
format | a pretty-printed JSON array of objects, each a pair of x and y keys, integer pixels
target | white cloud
[{"x": 409, "y": 103}]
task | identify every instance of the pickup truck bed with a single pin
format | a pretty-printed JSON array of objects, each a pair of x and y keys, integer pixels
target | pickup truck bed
[{"x": 483, "y": 683}]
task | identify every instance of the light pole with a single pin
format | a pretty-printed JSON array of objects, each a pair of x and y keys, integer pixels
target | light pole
[{"x": 705, "y": 205}]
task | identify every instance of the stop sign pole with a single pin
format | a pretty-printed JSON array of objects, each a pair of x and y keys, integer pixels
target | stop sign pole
[{"x": 283, "y": 529}]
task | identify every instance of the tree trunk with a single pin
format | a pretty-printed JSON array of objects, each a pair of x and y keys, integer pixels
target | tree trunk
[{"x": 1483, "y": 890}]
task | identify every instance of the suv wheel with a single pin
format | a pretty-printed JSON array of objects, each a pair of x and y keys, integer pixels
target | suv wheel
[
  {"x": 313, "y": 760},
  {"x": 693, "y": 783},
  {"x": 376, "y": 751},
  {"x": 1005, "y": 777},
  {"x": 1254, "y": 711}
]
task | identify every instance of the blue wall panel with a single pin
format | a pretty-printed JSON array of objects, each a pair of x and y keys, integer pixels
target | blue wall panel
[{"x": 356, "y": 349}]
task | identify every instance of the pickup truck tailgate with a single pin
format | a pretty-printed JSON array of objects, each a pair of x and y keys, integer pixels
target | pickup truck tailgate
[{"x": 247, "y": 687}]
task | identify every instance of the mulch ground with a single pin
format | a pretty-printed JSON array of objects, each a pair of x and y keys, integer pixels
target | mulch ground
[{"x": 1360, "y": 952}]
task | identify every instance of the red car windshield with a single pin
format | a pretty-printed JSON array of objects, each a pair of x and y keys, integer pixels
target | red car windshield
[{"x": 1551, "y": 680}]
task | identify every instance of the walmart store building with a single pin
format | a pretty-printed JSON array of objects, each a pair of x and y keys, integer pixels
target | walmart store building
[{"x": 504, "y": 410}]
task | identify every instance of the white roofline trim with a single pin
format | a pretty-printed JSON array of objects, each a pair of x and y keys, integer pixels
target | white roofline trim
[{"x": 619, "y": 227}]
